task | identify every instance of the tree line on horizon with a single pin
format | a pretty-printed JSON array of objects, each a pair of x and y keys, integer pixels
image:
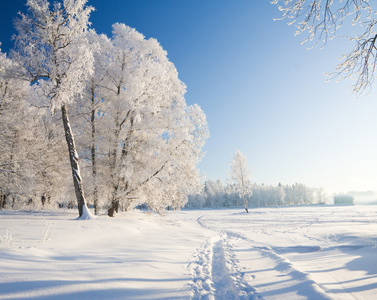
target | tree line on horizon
[{"x": 216, "y": 194}]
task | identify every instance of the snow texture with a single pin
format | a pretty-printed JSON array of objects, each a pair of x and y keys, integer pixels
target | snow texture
[
  {"x": 323, "y": 252},
  {"x": 86, "y": 214}
]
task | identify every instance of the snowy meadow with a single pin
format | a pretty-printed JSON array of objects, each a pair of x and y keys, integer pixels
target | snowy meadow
[
  {"x": 310, "y": 252},
  {"x": 100, "y": 120}
]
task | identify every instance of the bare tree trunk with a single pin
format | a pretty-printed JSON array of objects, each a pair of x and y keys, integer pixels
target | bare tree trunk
[
  {"x": 3, "y": 200},
  {"x": 244, "y": 194},
  {"x": 245, "y": 202},
  {"x": 114, "y": 177},
  {"x": 115, "y": 202},
  {"x": 74, "y": 158},
  {"x": 114, "y": 208},
  {"x": 94, "y": 162}
]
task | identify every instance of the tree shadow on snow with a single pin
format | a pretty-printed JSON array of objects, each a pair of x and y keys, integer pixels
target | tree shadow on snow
[
  {"x": 84, "y": 289},
  {"x": 365, "y": 261}
]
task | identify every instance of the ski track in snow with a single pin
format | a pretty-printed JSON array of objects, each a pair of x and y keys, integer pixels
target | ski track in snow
[{"x": 217, "y": 272}]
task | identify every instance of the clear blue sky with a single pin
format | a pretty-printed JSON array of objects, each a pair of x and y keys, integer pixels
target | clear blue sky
[{"x": 262, "y": 91}]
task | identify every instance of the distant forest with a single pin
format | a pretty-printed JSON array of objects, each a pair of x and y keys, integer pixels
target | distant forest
[{"x": 215, "y": 194}]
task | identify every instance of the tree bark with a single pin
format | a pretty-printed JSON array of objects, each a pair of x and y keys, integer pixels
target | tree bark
[
  {"x": 245, "y": 202},
  {"x": 74, "y": 158},
  {"x": 93, "y": 154},
  {"x": 114, "y": 208},
  {"x": 3, "y": 200},
  {"x": 115, "y": 178},
  {"x": 244, "y": 194}
]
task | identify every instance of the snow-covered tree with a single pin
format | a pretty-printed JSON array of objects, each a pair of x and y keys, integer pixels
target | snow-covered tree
[
  {"x": 267, "y": 195},
  {"x": 53, "y": 54},
  {"x": 50, "y": 171},
  {"x": 88, "y": 119},
  {"x": 214, "y": 193},
  {"x": 196, "y": 200},
  {"x": 240, "y": 174},
  {"x": 232, "y": 197},
  {"x": 30, "y": 148},
  {"x": 139, "y": 140},
  {"x": 144, "y": 140},
  {"x": 299, "y": 194},
  {"x": 321, "y": 21},
  {"x": 14, "y": 121}
]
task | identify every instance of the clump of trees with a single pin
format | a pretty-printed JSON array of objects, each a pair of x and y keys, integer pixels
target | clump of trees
[
  {"x": 240, "y": 191},
  {"x": 116, "y": 103},
  {"x": 215, "y": 194}
]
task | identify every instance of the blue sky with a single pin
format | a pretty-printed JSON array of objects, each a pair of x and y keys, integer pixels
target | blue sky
[{"x": 263, "y": 92}]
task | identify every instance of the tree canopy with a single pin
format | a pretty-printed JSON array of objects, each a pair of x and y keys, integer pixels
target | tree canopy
[{"x": 130, "y": 133}]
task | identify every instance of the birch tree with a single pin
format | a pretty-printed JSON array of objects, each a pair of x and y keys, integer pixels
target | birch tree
[
  {"x": 240, "y": 174},
  {"x": 151, "y": 140},
  {"x": 89, "y": 119},
  {"x": 54, "y": 56},
  {"x": 321, "y": 20}
]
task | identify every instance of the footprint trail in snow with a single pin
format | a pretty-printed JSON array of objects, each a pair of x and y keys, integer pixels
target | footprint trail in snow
[{"x": 217, "y": 274}]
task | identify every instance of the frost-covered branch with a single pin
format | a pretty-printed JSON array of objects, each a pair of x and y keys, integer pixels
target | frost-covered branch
[
  {"x": 360, "y": 63},
  {"x": 321, "y": 19}
]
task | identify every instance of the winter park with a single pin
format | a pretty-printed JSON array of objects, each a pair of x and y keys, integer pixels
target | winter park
[{"x": 186, "y": 149}]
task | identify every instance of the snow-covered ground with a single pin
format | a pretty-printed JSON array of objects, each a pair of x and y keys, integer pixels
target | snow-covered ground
[{"x": 271, "y": 253}]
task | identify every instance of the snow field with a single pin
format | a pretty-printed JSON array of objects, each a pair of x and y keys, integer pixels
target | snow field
[
  {"x": 305, "y": 252},
  {"x": 270, "y": 253},
  {"x": 133, "y": 256}
]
